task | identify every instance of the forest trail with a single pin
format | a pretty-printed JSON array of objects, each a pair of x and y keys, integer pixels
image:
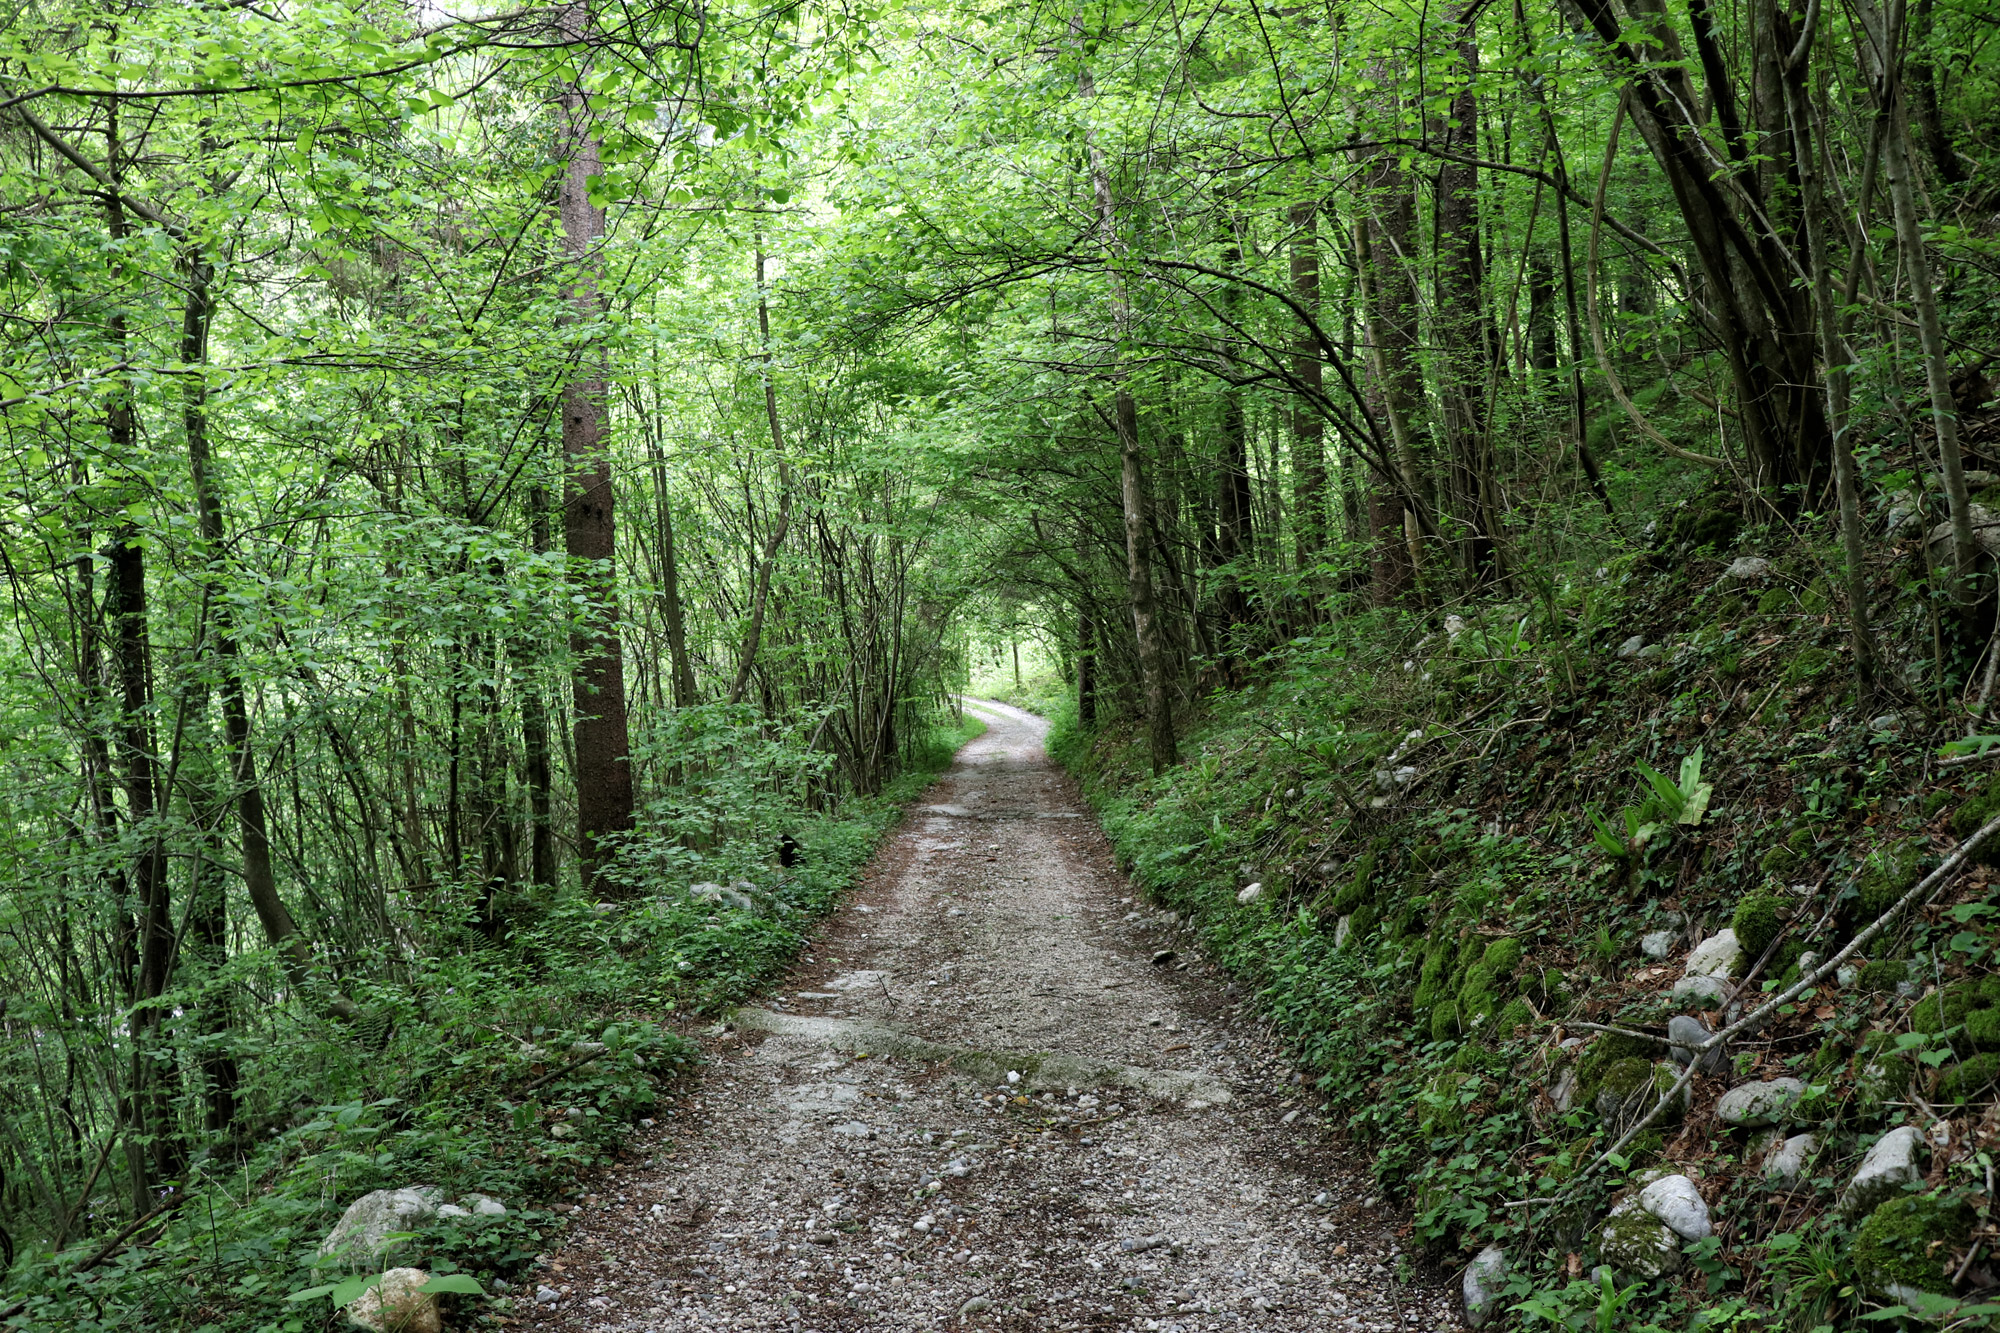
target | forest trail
[{"x": 853, "y": 1159}]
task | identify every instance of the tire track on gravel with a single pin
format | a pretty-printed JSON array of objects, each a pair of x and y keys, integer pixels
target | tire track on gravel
[{"x": 814, "y": 1185}]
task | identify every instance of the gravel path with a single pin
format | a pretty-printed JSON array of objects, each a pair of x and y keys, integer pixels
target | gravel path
[{"x": 990, "y": 1097}]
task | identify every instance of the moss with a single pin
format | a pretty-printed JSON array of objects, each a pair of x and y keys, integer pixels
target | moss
[
  {"x": 1964, "y": 1081},
  {"x": 1814, "y": 600},
  {"x": 1701, "y": 525},
  {"x": 1982, "y": 1029},
  {"x": 1951, "y": 1006},
  {"x": 1366, "y": 918},
  {"x": 1444, "y": 1020},
  {"x": 1625, "y": 1078},
  {"x": 1883, "y": 976},
  {"x": 1779, "y": 863},
  {"x": 1501, "y": 959},
  {"x": 1475, "y": 1005},
  {"x": 1430, "y": 981},
  {"x": 1515, "y": 1014},
  {"x": 1831, "y": 1053},
  {"x": 1470, "y": 950},
  {"x": 1758, "y": 919},
  {"x": 1977, "y": 809},
  {"x": 1443, "y": 1112},
  {"x": 1808, "y": 664},
  {"x": 1879, "y": 1080},
  {"x": 1774, "y": 601},
  {"x": 1600, "y": 1055},
  {"x": 1911, "y": 1241},
  {"x": 1888, "y": 874},
  {"x": 1935, "y": 802}
]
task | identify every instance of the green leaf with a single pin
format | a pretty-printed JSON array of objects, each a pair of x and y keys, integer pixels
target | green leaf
[{"x": 459, "y": 1283}]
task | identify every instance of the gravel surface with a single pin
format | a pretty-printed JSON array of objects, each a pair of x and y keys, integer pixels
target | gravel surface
[{"x": 999, "y": 1092}]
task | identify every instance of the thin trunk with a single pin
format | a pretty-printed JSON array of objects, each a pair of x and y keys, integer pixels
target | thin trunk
[
  {"x": 1867, "y": 668},
  {"x": 259, "y": 879},
  {"x": 535, "y": 726},
  {"x": 602, "y": 738},
  {"x": 1309, "y": 504},
  {"x": 1132, "y": 481},
  {"x": 682, "y": 669},
  {"x": 1899, "y": 177},
  {"x": 754, "y": 634}
]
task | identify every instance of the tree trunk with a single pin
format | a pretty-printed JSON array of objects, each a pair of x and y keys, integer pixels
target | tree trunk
[
  {"x": 260, "y": 881},
  {"x": 535, "y": 726},
  {"x": 1309, "y": 502},
  {"x": 1132, "y": 481},
  {"x": 602, "y": 738},
  {"x": 1465, "y": 334},
  {"x": 761, "y": 594}
]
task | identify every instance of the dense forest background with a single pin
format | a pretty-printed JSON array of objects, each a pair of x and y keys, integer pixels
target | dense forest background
[{"x": 499, "y": 501}]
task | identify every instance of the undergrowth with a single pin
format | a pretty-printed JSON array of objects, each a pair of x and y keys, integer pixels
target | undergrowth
[
  {"x": 509, "y": 1071},
  {"x": 1432, "y": 847}
]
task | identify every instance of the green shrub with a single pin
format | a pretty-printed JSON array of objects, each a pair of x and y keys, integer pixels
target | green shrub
[
  {"x": 1757, "y": 921},
  {"x": 1910, "y": 1241}
]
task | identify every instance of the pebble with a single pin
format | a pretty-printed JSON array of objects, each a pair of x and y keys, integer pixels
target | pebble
[
  {"x": 1688, "y": 1032},
  {"x": 1756, "y": 1104}
]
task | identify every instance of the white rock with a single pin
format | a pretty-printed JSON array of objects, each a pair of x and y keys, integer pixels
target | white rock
[
  {"x": 1676, "y": 1202},
  {"x": 1341, "y": 930},
  {"x": 1756, "y": 1104},
  {"x": 1688, "y": 1032},
  {"x": 1890, "y": 1164},
  {"x": 1748, "y": 567},
  {"x": 1716, "y": 956},
  {"x": 1701, "y": 990},
  {"x": 1785, "y": 1164},
  {"x": 1631, "y": 646},
  {"x": 358, "y": 1238},
  {"x": 1563, "y": 1095},
  {"x": 546, "y": 1295},
  {"x": 1637, "y": 1244},
  {"x": 396, "y": 1305},
  {"x": 1250, "y": 893},
  {"x": 1453, "y": 627},
  {"x": 1484, "y": 1277},
  {"x": 485, "y": 1205},
  {"x": 1658, "y": 943},
  {"x": 1847, "y": 974}
]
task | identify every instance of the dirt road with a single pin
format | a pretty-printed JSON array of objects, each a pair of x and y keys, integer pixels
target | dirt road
[{"x": 990, "y": 1097}]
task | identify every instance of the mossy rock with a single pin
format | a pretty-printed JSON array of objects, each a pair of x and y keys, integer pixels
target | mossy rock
[
  {"x": 1600, "y": 1055},
  {"x": 1431, "y": 979},
  {"x": 1553, "y": 990},
  {"x": 1967, "y": 1080},
  {"x": 1880, "y": 1079},
  {"x": 1982, "y": 1029},
  {"x": 1912, "y": 1241},
  {"x": 1888, "y": 874},
  {"x": 1514, "y": 1014},
  {"x": 1774, "y": 601},
  {"x": 1629, "y": 1089},
  {"x": 1444, "y": 1020},
  {"x": 1781, "y": 862},
  {"x": 1501, "y": 959},
  {"x": 1470, "y": 950},
  {"x": 1950, "y": 1007},
  {"x": 1815, "y": 599},
  {"x": 1365, "y": 919},
  {"x": 1475, "y": 1006},
  {"x": 1705, "y": 525},
  {"x": 1758, "y": 919},
  {"x": 1809, "y": 664},
  {"x": 1973, "y": 814},
  {"x": 1883, "y": 976}
]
